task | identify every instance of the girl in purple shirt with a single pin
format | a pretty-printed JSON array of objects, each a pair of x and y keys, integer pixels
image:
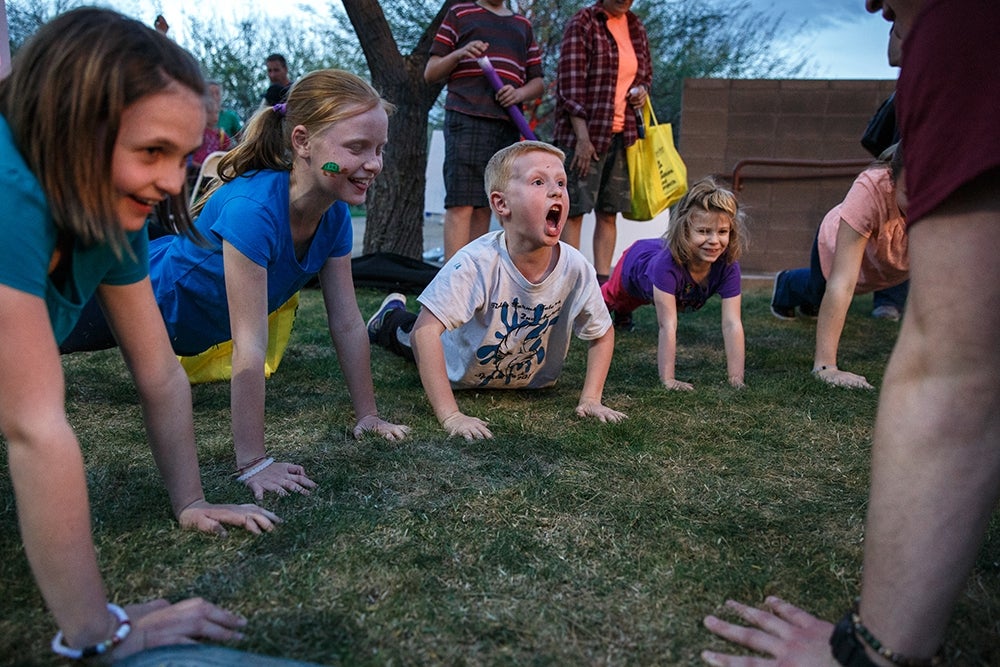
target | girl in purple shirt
[{"x": 679, "y": 272}]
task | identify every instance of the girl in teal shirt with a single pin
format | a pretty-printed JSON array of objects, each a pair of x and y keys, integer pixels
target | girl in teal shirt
[{"x": 97, "y": 119}]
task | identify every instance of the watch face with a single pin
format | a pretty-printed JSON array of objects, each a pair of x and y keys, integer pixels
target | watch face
[{"x": 845, "y": 646}]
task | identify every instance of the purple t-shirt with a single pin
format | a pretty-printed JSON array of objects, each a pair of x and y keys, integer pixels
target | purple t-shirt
[{"x": 648, "y": 263}]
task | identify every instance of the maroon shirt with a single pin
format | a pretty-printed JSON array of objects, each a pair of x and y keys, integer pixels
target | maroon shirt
[
  {"x": 947, "y": 100},
  {"x": 513, "y": 52}
]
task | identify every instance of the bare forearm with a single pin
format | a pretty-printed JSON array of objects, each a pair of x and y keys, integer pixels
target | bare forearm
[
  {"x": 54, "y": 516},
  {"x": 733, "y": 339},
  {"x": 666, "y": 352},
  {"x": 247, "y": 405},
  {"x": 169, "y": 424},
  {"x": 580, "y": 129},
  {"x": 598, "y": 364},
  {"x": 429, "y": 355},
  {"x": 439, "y": 68},
  {"x": 354, "y": 353},
  {"x": 830, "y": 325},
  {"x": 532, "y": 89}
]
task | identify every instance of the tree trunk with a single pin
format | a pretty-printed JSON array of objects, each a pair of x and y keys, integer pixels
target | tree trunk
[{"x": 395, "y": 205}]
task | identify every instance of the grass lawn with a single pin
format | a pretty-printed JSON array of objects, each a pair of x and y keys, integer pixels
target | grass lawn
[{"x": 560, "y": 542}]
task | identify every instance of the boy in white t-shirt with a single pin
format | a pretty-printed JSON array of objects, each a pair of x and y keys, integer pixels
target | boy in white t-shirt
[{"x": 500, "y": 313}]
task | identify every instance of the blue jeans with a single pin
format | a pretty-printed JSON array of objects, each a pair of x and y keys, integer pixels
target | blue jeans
[
  {"x": 201, "y": 655},
  {"x": 804, "y": 288}
]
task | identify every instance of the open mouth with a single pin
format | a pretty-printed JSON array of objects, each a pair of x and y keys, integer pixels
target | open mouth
[
  {"x": 144, "y": 202},
  {"x": 553, "y": 219},
  {"x": 362, "y": 183}
]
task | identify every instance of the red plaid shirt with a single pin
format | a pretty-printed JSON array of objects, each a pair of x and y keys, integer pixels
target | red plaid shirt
[{"x": 587, "y": 75}]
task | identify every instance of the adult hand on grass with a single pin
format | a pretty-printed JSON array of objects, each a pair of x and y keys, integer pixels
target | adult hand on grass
[
  {"x": 592, "y": 408},
  {"x": 280, "y": 478},
  {"x": 839, "y": 378},
  {"x": 159, "y": 623},
  {"x": 791, "y": 635},
  {"x": 210, "y": 518},
  {"x": 379, "y": 426},
  {"x": 470, "y": 428}
]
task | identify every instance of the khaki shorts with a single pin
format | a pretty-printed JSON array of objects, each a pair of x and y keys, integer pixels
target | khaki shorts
[{"x": 606, "y": 188}]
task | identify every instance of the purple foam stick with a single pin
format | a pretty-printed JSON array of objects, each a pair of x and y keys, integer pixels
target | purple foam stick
[{"x": 514, "y": 111}]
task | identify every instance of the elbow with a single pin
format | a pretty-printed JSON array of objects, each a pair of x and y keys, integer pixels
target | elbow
[{"x": 29, "y": 435}]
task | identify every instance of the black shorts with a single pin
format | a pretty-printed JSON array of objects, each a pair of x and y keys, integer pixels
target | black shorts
[{"x": 469, "y": 143}]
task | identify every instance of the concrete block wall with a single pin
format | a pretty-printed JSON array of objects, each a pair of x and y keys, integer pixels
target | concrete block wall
[{"x": 724, "y": 121}]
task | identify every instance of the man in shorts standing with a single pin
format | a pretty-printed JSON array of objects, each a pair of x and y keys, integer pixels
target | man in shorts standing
[{"x": 936, "y": 448}]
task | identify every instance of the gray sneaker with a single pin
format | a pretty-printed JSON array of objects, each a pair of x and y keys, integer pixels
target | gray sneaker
[
  {"x": 887, "y": 313},
  {"x": 780, "y": 313}
]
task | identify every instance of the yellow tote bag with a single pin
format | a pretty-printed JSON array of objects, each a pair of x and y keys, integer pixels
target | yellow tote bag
[
  {"x": 216, "y": 363},
  {"x": 656, "y": 171}
]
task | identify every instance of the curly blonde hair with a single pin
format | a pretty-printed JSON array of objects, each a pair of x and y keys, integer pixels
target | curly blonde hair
[{"x": 705, "y": 196}]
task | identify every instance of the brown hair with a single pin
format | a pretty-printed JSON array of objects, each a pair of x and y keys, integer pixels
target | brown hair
[
  {"x": 705, "y": 196},
  {"x": 63, "y": 100}
]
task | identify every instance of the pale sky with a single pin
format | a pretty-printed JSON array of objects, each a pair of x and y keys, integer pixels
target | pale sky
[{"x": 845, "y": 41}]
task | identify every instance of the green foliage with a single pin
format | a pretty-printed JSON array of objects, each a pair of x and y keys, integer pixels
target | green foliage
[
  {"x": 24, "y": 17},
  {"x": 234, "y": 52},
  {"x": 687, "y": 38},
  {"x": 560, "y": 542}
]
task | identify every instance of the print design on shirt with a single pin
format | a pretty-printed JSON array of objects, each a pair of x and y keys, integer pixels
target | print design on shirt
[
  {"x": 690, "y": 297},
  {"x": 521, "y": 346}
]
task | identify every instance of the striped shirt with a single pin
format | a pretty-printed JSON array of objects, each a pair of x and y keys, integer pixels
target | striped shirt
[
  {"x": 513, "y": 52},
  {"x": 588, "y": 73}
]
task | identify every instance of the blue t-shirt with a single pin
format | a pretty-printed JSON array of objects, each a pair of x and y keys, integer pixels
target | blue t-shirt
[
  {"x": 28, "y": 238},
  {"x": 648, "y": 263},
  {"x": 251, "y": 213}
]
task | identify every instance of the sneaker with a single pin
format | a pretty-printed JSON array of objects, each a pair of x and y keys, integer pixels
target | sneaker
[
  {"x": 394, "y": 301},
  {"x": 780, "y": 313},
  {"x": 809, "y": 310},
  {"x": 886, "y": 313},
  {"x": 623, "y": 321}
]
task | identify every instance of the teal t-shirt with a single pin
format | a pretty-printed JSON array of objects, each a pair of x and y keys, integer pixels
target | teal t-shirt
[{"x": 28, "y": 239}]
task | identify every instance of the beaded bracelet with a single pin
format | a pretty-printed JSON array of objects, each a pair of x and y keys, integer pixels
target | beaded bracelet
[
  {"x": 895, "y": 658},
  {"x": 850, "y": 634},
  {"x": 123, "y": 630},
  {"x": 254, "y": 470}
]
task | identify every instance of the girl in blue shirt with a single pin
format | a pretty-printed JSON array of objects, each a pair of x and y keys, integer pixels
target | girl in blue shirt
[{"x": 279, "y": 217}]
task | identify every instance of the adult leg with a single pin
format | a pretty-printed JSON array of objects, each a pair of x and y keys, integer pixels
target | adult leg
[
  {"x": 480, "y": 222},
  {"x": 571, "y": 231},
  {"x": 936, "y": 451},
  {"x": 457, "y": 229},
  {"x": 605, "y": 236}
]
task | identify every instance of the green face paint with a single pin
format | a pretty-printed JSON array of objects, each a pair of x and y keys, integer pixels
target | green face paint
[{"x": 331, "y": 167}]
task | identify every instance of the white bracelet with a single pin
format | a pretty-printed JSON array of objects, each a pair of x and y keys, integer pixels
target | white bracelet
[
  {"x": 254, "y": 470},
  {"x": 124, "y": 628}
]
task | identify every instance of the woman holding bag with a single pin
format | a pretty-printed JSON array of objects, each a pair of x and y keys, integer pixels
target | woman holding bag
[{"x": 604, "y": 74}]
